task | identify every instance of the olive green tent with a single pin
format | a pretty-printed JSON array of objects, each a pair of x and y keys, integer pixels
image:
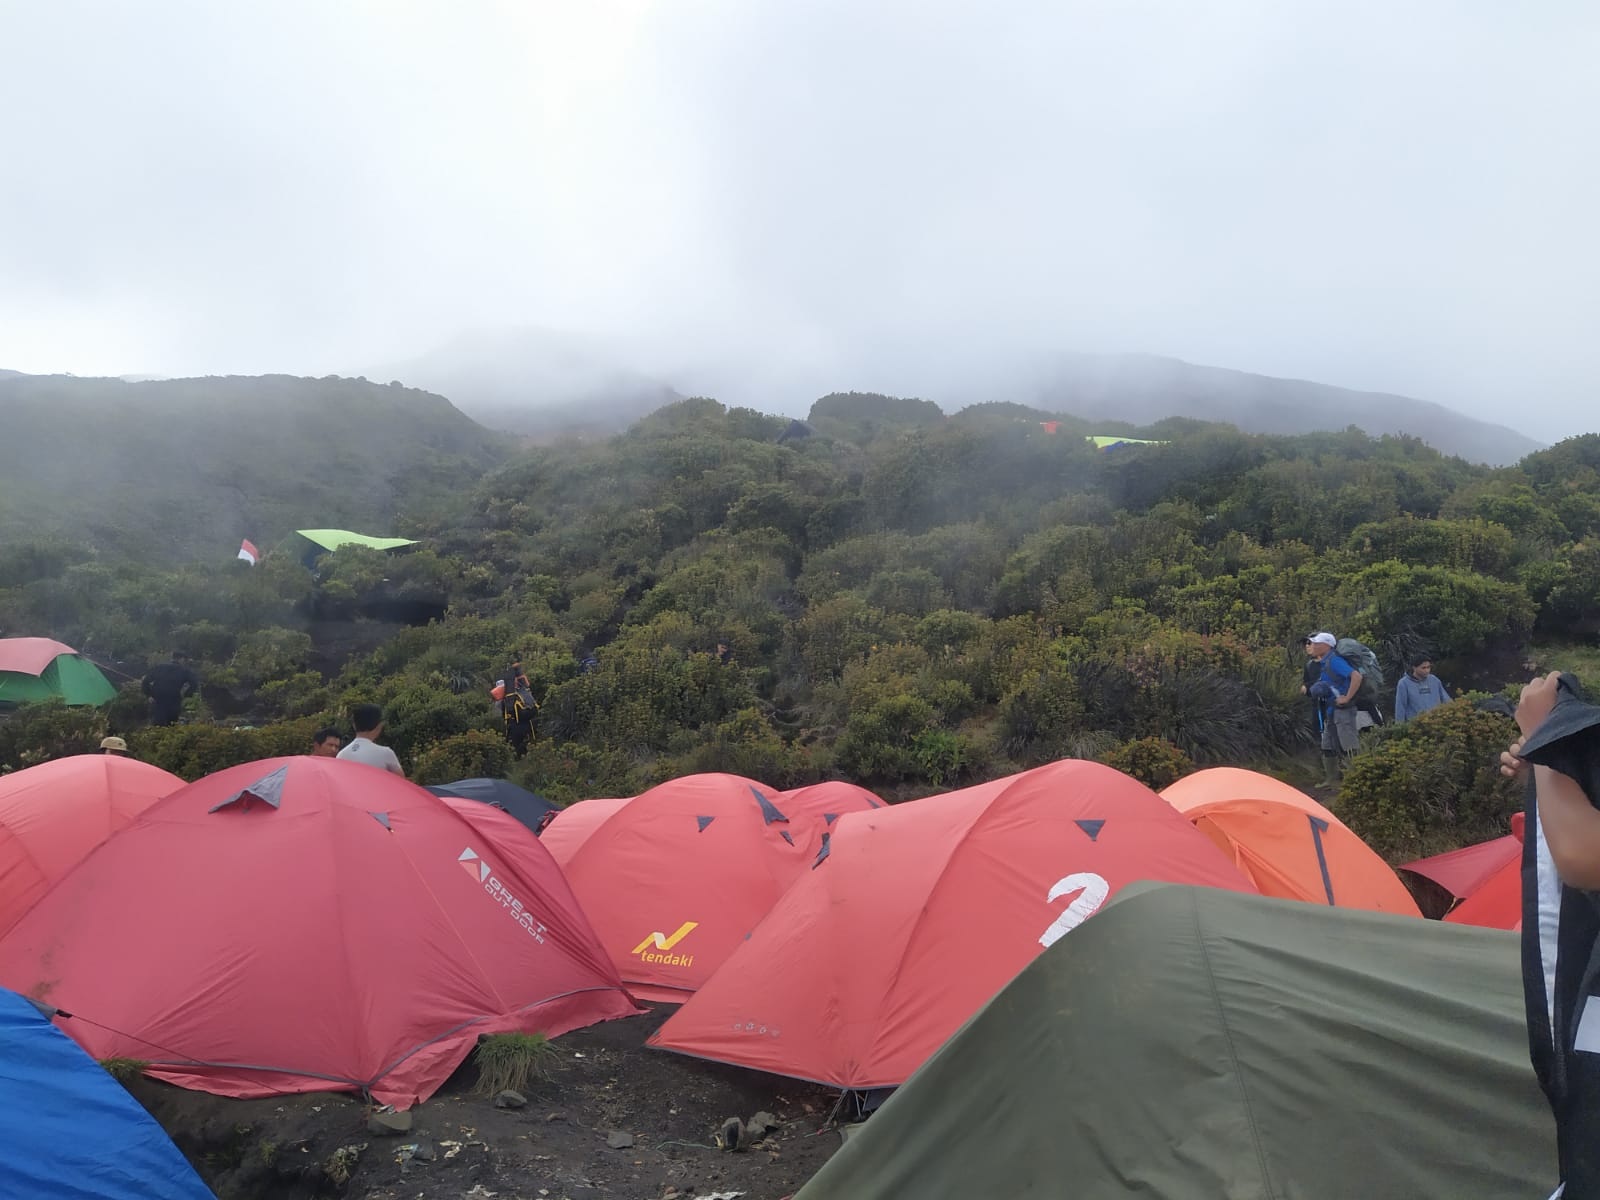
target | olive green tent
[
  {"x": 332, "y": 539},
  {"x": 34, "y": 669},
  {"x": 1192, "y": 1044}
]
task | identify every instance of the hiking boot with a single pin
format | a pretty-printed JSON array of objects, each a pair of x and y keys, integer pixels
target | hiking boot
[{"x": 1330, "y": 770}]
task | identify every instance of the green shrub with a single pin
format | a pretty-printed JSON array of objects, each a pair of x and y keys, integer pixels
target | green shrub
[
  {"x": 1152, "y": 761},
  {"x": 1432, "y": 784},
  {"x": 879, "y": 742},
  {"x": 941, "y": 756},
  {"x": 475, "y": 754},
  {"x": 512, "y": 1060},
  {"x": 36, "y": 733}
]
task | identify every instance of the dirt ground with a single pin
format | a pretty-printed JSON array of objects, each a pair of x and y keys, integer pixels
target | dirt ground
[{"x": 461, "y": 1146}]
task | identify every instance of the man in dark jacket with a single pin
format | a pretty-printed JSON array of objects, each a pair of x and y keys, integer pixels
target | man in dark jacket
[
  {"x": 168, "y": 684},
  {"x": 1561, "y": 915}
]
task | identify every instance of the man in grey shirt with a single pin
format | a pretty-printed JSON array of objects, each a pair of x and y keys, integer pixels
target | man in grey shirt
[{"x": 364, "y": 748}]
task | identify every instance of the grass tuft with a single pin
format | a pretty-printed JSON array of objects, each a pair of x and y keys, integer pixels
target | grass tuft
[{"x": 511, "y": 1060}]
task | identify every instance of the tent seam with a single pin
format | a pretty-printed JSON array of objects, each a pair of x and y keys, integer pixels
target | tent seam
[{"x": 1233, "y": 1051}]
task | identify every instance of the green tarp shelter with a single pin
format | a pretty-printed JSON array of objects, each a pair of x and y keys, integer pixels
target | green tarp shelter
[
  {"x": 1105, "y": 442},
  {"x": 1193, "y": 1044},
  {"x": 33, "y": 668},
  {"x": 332, "y": 539}
]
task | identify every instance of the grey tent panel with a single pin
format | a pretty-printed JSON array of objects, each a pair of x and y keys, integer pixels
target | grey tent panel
[
  {"x": 769, "y": 811},
  {"x": 268, "y": 790},
  {"x": 702, "y": 822}
]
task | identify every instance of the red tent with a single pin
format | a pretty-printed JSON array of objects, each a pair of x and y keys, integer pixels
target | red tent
[
  {"x": 1462, "y": 872},
  {"x": 52, "y": 815},
  {"x": 306, "y": 924},
  {"x": 1287, "y": 843},
  {"x": 1494, "y": 898},
  {"x": 675, "y": 878},
  {"x": 913, "y": 916}
]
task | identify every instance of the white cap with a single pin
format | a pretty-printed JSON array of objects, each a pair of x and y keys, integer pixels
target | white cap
[{"x": 1323, "y": 639}]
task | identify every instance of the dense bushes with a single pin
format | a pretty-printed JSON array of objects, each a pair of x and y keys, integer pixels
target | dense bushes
[
  {"x": 1432, "y": 784},
  {"x": 911, "y": 602}
]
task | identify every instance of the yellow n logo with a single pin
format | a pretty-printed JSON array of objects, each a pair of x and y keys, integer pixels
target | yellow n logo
[{"x": 663, "y": 942}]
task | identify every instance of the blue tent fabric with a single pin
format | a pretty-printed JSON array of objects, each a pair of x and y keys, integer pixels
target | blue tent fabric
[
  {"x": 68, "y": 1131},
  {"x": 528, "y": 807}
]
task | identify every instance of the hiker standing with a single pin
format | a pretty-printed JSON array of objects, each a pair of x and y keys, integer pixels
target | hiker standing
[
  {"x": 325, "y": 743},
  {"x": 1339, "y": 730},
  {"x": 168, "y": 684},
  {"x": 516, "y": 705},
  {"x": 1418, "y": 690},
  {"x": 364, "y": 748},
  {"x": 1310, "y": 674}
]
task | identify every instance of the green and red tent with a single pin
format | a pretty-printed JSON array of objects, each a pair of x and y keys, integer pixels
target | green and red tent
[{"x": 36, "y": 668}]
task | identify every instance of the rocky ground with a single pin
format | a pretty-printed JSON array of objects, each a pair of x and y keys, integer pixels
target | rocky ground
[{"x": 615, "y": 1120}]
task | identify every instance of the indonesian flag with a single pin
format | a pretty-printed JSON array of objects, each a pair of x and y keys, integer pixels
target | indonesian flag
[{"x": 248, "y": 552}]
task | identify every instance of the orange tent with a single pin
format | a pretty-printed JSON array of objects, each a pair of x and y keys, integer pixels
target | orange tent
[
  {"x": 913, "y": 916},
  {"x": 53, "y": 814},
  {"x": 674, "y": 879},
  {"x": 1286, "y": 842}
]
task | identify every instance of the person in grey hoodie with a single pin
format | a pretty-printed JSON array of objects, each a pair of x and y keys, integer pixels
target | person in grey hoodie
[{"x": 1418, "y": 691}]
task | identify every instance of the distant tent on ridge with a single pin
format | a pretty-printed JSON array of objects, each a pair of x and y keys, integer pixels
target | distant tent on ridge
[
  {"x": 913, "y": 916},
  {"x": 1102, "y": 441},
  {"x": 1286, "y": 842},
  {"x": 36, "y": 668},
  {"x": 54, "y": 814},
  {"x": 677, "y": 877},
  {"x": 345, "y": 930},
  {"x": 1194, "y": 1044},
  {"x": 68, "y": 1130}
]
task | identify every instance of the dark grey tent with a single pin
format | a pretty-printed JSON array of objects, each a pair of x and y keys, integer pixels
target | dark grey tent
[
  {"x": 1193, "y": 1044},
  {"x": 528, "y": 807}
]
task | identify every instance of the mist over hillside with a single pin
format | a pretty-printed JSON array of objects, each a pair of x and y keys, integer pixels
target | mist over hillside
[
  {"x": 1146, "y": 388},
  {"x": 548, "y": 384},
  {"x": 534, "y": 382},
  {"x": 186, "y": 467}
]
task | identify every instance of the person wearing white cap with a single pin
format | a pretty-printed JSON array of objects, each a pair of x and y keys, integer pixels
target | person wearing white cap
[
  {"x": 1339, "y": 728},
  {"x": 114, "y": 746}
]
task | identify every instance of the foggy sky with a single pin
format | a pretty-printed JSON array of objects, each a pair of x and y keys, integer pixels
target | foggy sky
[{"x": 785, "y": 198}]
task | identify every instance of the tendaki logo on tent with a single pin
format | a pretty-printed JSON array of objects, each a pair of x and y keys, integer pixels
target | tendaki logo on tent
[
  {"x": 474, "y": 865},
  {"x": 664, "y": 944}
]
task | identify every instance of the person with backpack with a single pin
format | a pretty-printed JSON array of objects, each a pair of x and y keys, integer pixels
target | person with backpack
[
  {"x": 1339, "y": 729},
  {"x": 168, "y": 685},
  {"x": 517, "y": 709}
]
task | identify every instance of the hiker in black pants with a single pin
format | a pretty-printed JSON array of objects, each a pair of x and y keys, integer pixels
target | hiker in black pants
[
  {"x": 1309, "y": 675},
  {"x": 168, "y": 684}
]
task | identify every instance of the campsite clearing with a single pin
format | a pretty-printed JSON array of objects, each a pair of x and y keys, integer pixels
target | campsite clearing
[{"x": 606, "y": 1081}]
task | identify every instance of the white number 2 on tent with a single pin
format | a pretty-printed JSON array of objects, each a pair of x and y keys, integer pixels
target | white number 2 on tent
[{"x": 1092, "y": 892}]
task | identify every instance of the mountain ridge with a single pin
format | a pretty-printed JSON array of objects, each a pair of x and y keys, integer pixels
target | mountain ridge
[{"x": 544, "y": 383}]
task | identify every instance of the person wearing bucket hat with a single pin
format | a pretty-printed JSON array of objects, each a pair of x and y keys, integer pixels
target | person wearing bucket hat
[
  {"x": 1339, "y": 728},
  {"x": 114, "y": 745}
]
